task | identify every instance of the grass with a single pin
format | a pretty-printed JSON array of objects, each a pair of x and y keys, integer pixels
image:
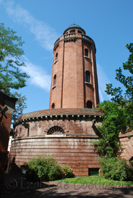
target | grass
[{"x": 95, "y": 180}]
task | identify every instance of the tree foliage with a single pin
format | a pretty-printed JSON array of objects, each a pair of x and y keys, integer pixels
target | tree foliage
[
  {"x": 19, "y": 106},
  {"x": 11, "y": 76},
  {"x": 118, "y": 113},
  {"x": 125, "y": 100},
  {"x": 112, "y": 123}
]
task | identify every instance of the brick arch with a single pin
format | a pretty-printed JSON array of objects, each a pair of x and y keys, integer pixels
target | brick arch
[
  {"x": 56, "y": 123},
  {"x": 55, "y": 130}
]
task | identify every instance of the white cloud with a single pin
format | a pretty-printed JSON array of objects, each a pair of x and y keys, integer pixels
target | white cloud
[
  {"x": 42, "y": 32},
  {"x": 102, "y": 81},
  {"x": 101, "y": 96},
  {"x": 38, "y": 76}
]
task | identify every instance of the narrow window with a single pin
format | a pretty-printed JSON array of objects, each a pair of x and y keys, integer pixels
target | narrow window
[
  {"x": 54, "y": 80},
  {"x": 53, "y": 106},
  {"x": 86, "y": 52},
  {"x": 89, "y": 104},
  {"x": 56, "y": 56},
  {"x": 88, "y": 76},
  {"x": 28, "y": 131}
]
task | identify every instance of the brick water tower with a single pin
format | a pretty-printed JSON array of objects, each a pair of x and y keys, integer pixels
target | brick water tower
[
  {"x": 74, "y": 76},
  {"x": 67, "y": 129}
]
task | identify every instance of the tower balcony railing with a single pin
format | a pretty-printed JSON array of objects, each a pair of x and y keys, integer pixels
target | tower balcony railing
[
  {"x": 57, "y": 41},
  {"x": 72, "y": 35}
]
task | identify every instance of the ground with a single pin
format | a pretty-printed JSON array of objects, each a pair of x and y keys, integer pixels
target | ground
[{"x": 16, "y": 186}]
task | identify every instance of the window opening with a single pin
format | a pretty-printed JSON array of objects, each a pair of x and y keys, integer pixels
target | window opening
[
  {"x": 54, "y": 80},
  {"x": 53, "y": 106},
  {"x": 79, "y": 32},
  {"x": 86, "y": 52},
  {"x": 93, "y": 171},
  {"x": 89, "y": 104},
  {"x": 72, "y": 31},
  {"x": 56, "y": 56},
  {"x": 56, "y": 130},
  {"x": 88, "y": 76}
]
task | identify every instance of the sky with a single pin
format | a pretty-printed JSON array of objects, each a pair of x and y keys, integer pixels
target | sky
[{"x": 41, "y": 22}]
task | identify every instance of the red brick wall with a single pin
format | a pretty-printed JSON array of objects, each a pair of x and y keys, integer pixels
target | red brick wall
[
  {"x": 4, "y": 137},
  {"x": 74, "y": 147},
  {"x": 4, "y": 132},
  {"x": 77, "y": 152},
  {"x": 126, "y": 140},
  {"x": 71, "y": 90}
]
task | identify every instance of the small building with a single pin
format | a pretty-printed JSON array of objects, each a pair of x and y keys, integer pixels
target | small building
[{"x": 7, "y": 105}]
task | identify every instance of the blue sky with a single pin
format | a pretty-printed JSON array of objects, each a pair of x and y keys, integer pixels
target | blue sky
[{"x": 41, "y": 22}]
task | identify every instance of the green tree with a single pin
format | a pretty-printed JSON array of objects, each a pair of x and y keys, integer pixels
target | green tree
[
  {"x": 11, "y": 76},
  {"x": 112, "y": 123},
  {"x": 117, "y": 115},
  {"x": 19, "y": 107},
  {"x": 125, "y": 100}
]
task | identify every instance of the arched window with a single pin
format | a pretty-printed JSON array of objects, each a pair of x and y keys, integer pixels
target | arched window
[
  {"x": 54, "y": 80},
  {"x": 56, "y": 130},
  {"x": 72, "y": 31},
  {"x": 56, "y": 56},
  {"x": 86, "y": 52},
  {"x": 89, "y": 104},
  {"x": 53, "y": 106},
  {"x": 79, "y": 32},
  {"x": 88, "y": 76}
]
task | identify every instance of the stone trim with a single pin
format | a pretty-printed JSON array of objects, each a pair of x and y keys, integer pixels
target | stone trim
[
  {"x": 59, "y": 137},
  {"x": 56, "y": 61},
  {"x": 53, "y": 86},
  {"x": 87, "y": 83},
  {"x": 87, "y": 57},
  {"x": 59, "y": 116},
  {"x": 52, "y": 135}
]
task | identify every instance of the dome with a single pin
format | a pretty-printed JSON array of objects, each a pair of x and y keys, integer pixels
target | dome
[{"x": 74, "y": 26}]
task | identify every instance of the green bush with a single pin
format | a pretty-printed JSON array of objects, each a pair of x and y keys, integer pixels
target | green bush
[
  {"x": 67, "y": 171},
  {"x": 45, "y": 168},
  {"x": 116, "y": 169}
]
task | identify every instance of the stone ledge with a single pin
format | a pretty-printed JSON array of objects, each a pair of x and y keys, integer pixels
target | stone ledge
[
  {"x": 58, "y": 116},
  {"x": 59, "y": 137}
]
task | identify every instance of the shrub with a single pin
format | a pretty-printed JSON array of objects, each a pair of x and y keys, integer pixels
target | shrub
[
  {"x": 46, "y": 169},
  {"x": 67, "y": 171},
  {"x": 116, "y": 169},
  {"x": 55, "y": 172}
]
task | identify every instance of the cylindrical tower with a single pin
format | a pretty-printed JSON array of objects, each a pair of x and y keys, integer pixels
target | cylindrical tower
[{"x": 74, "y": 76}]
